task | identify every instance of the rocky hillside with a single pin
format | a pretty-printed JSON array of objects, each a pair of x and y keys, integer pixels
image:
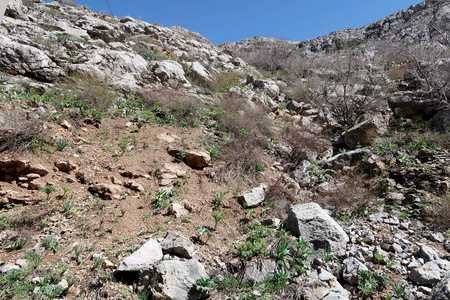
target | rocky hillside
[{"x": 143, "y": 162}]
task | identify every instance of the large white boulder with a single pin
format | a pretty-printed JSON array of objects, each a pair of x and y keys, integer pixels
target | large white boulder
[{"x": 313, "y": 223}]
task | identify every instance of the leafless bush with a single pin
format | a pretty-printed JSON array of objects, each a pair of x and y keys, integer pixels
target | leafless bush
[
  {"x": 184, "y": 109},
  {"x": 344, "y": 91},
  {"x": 71, "y": 2},
  {"x": 440, "y": 217},
  {"x": 17, "y": 132},
  {"x": 279, "y": 199},
  {"x": 95, "y": 92},
  {"x": 269, "y": 55},
  {"x": 432, "y": 66},
  {"x": 303, "y": 144},
  {"x": 351, "y": 195},
  {"x": 246, "y": 128}
]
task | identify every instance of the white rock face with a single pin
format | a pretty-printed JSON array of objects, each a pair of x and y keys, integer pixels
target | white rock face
[
  {"x": 25, "y": 59},
  {"x": 170, "y": 72},
  {"x": 312, "y": 222},
  {"x": 143, "y": 258}
]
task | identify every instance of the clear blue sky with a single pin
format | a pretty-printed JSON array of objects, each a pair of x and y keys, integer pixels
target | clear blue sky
[{"x": 233, "y": 20}]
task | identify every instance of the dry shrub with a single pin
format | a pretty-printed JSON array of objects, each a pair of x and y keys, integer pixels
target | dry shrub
[
  {"x": 91, "y": 90},
  {"x": 17, "y": 132},
  {"x": 184, "y": 109},
  {"x": 247, "y": 128},
  {"x": 304, "y": 144},
  {"x": 279, "y": 199},
  {"x": 440, "y": 217},
  {"x": 222, "y": 81},
  {"x": 352, "y": 194}
]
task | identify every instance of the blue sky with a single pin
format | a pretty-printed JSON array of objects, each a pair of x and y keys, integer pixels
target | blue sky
[{"x": 233, "y": 20}]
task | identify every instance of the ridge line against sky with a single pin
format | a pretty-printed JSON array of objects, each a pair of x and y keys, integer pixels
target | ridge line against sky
[{"x": 234, "y": 20}]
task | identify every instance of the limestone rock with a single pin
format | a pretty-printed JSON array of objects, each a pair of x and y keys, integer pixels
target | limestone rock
[
  {"x": 177, "y": 210},
  {"x": 441, "y": 121},
  {"x": 410, "y": 106},
  {"x": 197, "y": 159},
  {"x": 171, "y": 72},
  {"x": 175, "y": 279},
  {"x": 27, "y": 60},
  {"x": 178, "y": 245},
  {"x": 313, "y": 223},
  {"x": 198, "y": 71},
  {"x": 252, "y": 199},
  {"x": 106, "y": 191},
  {"x": 349, "y": 158},
  {"x": 143, "y": 258},
  {"x": 365, "y": 133},
  {"x": 350, "y": 269},
  {"x": 427, "y": 274},
  {"x": 441, "y": 291},
  {"x": 65, "y": 166},
  {"x": 268, "y": 86},
  {"x": 256, "y": 271}
]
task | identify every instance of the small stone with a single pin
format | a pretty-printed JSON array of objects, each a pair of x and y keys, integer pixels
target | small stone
[
  {"x": 106, "y": 264},
  {"x": 23, "y": 263},
  {"x": 9, "y": 267},
  {"x": 33, "y": 176},
  {"x": 65, "y": 124}
]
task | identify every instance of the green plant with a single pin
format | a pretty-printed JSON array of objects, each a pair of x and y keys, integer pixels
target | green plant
[
  {"x": 52, "y": 291},
  {"x": 257, "y": 242},
  {"x": 65, "y": 189},
  {"x": 315, "y": 174},
  {"x": 369, "y": 281},
  {"x": 218, "y": 199},
  {"x": 204, "y": 231},
  {"x": 330, "y": 256},
  {"x": 34, "y": 258},
  {"x": 50, "y": 242},
  {"x": 78, "y": 250},
  {"x": 399, "y": 289},
  {"x": 61, "y": 144},
  {"x": 259, "y": 168},
  {"x": 181, "y": 154},
  {"x": 48, "y": 189},
  {"x": 278, "y": 280},
  {"x": 162, "y": 198},
  {"x": 68, "y": 207},
  {"x": 62, "y": 268},
  {"x": 19, "y": 243},
  {"x": 204, "y": 285},
  {"x": 283, "y": 249},
  {"x": 218, "y": 216}
]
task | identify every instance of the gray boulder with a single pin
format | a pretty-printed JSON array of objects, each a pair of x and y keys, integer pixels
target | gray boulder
[
  {"x": 198, "y": 71},
  {"x": 410, "y": 106},
  {"x": 350, "y": 268},
  {"x": 441, "y": 291},
  {"x": 142, "y": 259},
  {"x": 312, "y": 222},
  {"x": 174, "y": 279},
  {"x": 268, "y": 86},
  {"x": 441, "y": 121},
  {"x": 430, "y": 273},
  {"x": 252, "y": 199},
  {"x": 256, "y": 271},
  {"x": 365, "y": 133},
  {"x": 170, "y": 72},
  {"x": 349, "y": 158}
]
